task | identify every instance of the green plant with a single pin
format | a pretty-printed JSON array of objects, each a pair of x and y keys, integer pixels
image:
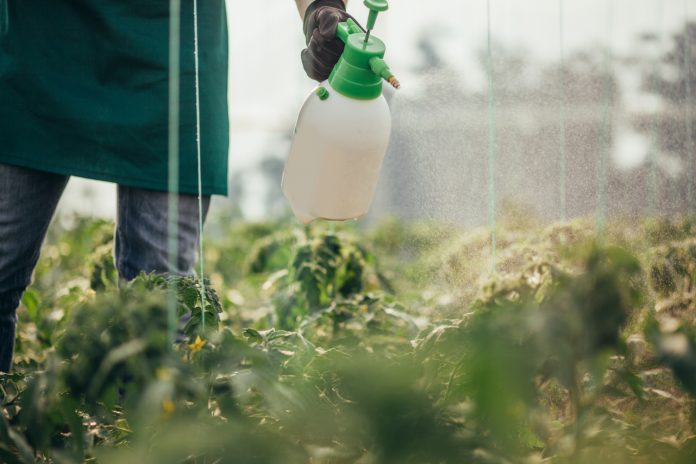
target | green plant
[{"x": 340, "y": 346}]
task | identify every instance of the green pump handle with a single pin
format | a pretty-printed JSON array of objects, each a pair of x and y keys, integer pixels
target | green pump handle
[
  {"x": 361, "y": 68},
  {"x": 376, "y": 7}
]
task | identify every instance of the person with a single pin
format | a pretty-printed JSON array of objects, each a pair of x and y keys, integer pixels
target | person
[{"x": 84, "y": 92}]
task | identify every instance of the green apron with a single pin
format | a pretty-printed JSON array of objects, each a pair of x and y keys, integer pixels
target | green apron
[{"x": 84, "y": 90}]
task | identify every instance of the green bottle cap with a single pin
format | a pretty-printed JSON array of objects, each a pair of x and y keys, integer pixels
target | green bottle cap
[{"x": 361, "y": 68}]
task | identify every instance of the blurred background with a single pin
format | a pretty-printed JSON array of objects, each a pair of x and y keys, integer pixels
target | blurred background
[{"x": 598, "y": 86}]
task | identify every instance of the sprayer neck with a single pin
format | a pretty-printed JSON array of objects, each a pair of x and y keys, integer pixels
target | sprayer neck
[{"x": 360, "y": 70}]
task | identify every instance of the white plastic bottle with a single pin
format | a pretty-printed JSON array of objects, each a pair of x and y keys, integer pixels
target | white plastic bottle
[{"x": 342, "y": 135}]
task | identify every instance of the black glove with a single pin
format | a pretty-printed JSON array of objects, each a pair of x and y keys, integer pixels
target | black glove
[{"x": 324, "y": 48}]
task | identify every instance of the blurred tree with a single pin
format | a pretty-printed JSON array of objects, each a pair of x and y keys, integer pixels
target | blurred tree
[
  {"x": 671, "y": 79},
  {"x": 440, "y": 139}
]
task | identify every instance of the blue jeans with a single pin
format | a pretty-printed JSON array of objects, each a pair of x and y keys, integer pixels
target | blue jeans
[{"x": 28, "y": 199}]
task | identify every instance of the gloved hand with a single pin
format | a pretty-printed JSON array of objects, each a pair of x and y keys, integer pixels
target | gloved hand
[{"x": 324, "y": 48}]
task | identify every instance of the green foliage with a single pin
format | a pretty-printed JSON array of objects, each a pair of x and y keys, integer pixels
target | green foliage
[
  {"x": 674, "y": 267},
  {"x": 316, "y": 351},
  {"x": 113, "y": 345},
  {"x": 312, "y": 271},
  {"x": 192, "y": 301},
  {"x": 103, "y": 269}
]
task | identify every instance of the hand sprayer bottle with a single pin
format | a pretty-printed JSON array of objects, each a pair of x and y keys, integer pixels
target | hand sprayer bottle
[{"x": 342, "y": 132}]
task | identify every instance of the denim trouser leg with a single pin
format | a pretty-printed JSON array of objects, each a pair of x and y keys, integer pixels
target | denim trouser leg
[
  {"x": 142, "y": 232},
  {"x": 28, "y": 199}
]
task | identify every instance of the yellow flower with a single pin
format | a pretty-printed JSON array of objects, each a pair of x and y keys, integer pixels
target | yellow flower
[
  {"x": 197, "y": 345},
  {"x": 168, "y": 407}
]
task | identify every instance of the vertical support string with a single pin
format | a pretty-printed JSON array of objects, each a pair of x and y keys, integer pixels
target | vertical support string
[
  {"x": 491, "y": 146},
  {"x": 562, "y": 118},
  {"x": 201, "y": 258},
  {"x": 689, "y": 113},
  {"x": 173, "y": 160},
  {"x": 605, "y": 143}
]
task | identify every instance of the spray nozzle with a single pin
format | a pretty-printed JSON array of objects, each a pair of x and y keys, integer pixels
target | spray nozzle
[{"x": 380, "y": 67}]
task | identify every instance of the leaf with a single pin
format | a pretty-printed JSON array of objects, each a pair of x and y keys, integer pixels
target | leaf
[
  {"x": 114, "y": 357},
  {"x": 253, "y": 335},
  {"x": 25, "y": 451},
  {"x": 665, "y": 394},
  {"x": 68, "y": 408},
  {"x": 7, "y": 457},
  {"x": 634, "y": 382},
  {"x": 31, "y": 300},
  {"x": 274, "y": 278},
  {"x": 189, "y": 296}
]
